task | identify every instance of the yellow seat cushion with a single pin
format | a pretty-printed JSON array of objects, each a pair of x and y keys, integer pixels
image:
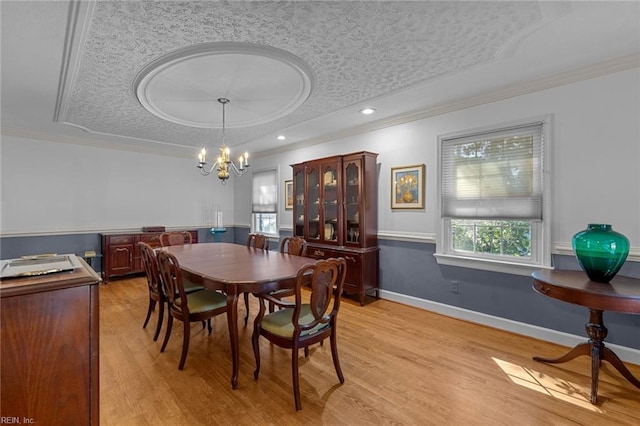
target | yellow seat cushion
[
  {"x": 205, "y": 300},
  {"x": 280, "y": 324},
  {"x": 190, "y": 287}
]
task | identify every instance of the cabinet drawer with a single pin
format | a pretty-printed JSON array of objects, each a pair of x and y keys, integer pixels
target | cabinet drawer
[
  {"x": 120, "y": 239},
  {"x": 321, "y": 253},
  {"x": 152, "y": 239}
]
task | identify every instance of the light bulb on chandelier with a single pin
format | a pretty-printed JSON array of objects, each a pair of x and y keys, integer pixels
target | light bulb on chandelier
[{"x": 223, "y": 164}]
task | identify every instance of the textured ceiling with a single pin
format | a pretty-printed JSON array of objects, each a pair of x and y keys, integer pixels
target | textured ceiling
[
  {"x": 357, "y": 50},
  {"x": 71, "y": 66}
]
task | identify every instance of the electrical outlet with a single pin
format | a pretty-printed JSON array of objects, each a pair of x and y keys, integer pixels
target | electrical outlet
[{"x": 454, "y": 287}]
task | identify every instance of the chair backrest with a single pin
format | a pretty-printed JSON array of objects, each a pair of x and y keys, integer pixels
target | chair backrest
[
  {"x": 258, "y": 241},
  {"x": 150, "y": 264},
  {"x": 171, "y": 279},
  {"x": 175, "y": 238},
  {"x": 296, "y": 246},
  {"x": 325, "y": 278}
]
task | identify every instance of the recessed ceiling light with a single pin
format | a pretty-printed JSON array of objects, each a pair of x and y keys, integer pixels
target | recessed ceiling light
[
  {"x": 281, "y": 137},
  {"x": 367, "y": 111}
]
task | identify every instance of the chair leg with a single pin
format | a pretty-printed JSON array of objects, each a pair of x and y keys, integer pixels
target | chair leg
[
  {"x": 295, "y": 378},
  {"x": 334, "y": 355},
  {"x": 306, "y": 351},
  {"x": 209, "y": 326},
  {"x": 185, "y": 344},
  {"x": 167, "y": 333},
  {"x": 152, "y": 306},
  {"x": 246, "y": 306},
  {"x": 272, "y": 307},
  {"x": 160, "y": 320}
]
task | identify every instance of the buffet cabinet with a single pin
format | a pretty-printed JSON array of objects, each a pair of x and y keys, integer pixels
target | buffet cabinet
[
  {"x": 335, "y": 210},
  {"x": 121, "y": 253},
  {"x": 49, "y": 351}
]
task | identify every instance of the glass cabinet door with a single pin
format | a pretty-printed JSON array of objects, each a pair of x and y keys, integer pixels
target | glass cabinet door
[
  {"x": 352, "y": 201},
  {"x": 313, "y": 203},
  {"x": 298, "y": 202},
  {"x": 330, "y": 202}
]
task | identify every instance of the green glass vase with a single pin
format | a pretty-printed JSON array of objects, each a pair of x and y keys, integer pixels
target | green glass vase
[{"x": 600, "y": 251}]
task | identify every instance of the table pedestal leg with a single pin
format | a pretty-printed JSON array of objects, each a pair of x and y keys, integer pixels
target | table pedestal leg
[
  {"x": 598, "y": 352},
  {"x": 232, "y": 321}
]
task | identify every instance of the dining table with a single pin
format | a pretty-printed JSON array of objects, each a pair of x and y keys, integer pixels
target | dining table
[{"x": 235, "y": 269}]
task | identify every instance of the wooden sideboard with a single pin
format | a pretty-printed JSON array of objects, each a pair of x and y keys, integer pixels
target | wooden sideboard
[
  {"x": 121, "y": 254},
  {"x": 49, "y": 334}
]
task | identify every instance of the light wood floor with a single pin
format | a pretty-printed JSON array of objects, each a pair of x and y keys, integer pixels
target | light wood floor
[{"x": 402, "y": 365}]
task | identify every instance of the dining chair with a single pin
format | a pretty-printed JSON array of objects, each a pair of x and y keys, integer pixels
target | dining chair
[
  {"x": 193, "y": 307},
  {"x": 300, "y": 324},
  {"x": 256, "y": 241},
  {"x": 156, "y": 294},
  {"x": 295, "y": 246},
  {"x": 175, "y": 238}
]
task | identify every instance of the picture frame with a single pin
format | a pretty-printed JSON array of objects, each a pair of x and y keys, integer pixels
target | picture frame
[
  {"x": 288, "y": 194},
  {"x": 407, "y": 187}
]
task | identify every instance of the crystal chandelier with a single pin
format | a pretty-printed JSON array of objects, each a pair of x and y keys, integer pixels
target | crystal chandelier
[{"x": 224, "y": 164}]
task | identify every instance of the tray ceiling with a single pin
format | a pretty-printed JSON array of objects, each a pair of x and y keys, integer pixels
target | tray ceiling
[{"x": 401, "y": 57}]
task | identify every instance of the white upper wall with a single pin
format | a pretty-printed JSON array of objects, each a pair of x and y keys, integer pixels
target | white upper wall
[
  {"x": 59, "y": 187},
  {"x": 595, "y": 170},
  {"x": 595, "y": 152}
]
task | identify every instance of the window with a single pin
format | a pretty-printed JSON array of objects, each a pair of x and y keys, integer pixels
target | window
[
  {"x": 492, "y": 193},
  {"x": 265, "y": 202}
]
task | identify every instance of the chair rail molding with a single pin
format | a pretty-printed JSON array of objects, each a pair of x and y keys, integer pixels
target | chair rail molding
[{"x": 566, "y": 249}]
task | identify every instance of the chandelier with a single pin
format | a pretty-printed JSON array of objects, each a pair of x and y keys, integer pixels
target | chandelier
[{"x": 223, "y": 164}]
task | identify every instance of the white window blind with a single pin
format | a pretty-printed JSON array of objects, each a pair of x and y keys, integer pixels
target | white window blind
[
  {"x": 265, "y": 192},
  {"x": 493, "y": 175}
]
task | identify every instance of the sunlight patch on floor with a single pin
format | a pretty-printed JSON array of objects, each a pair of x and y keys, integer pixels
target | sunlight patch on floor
[{"x": 552, "y": 386}]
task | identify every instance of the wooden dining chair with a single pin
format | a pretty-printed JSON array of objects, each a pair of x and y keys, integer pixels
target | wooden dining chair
[
  {"x": 175, "y": 238},
  {"x": 193, "y": 307},
  {"x": 302, "y": 324},
  {"x": 256, "y": 241},
  {"x": 156, "y": 296},
  {"x": 156, "y": 293},
  {"x": 295, "y": 246}
]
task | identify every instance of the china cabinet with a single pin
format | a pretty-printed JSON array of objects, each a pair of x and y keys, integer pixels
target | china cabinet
[{"x": 335, "y": 210}]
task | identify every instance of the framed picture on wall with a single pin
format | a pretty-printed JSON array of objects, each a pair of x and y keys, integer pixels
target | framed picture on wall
[
  {"x": 288, "y": 194},
  {"x": 407, "y": 187}
]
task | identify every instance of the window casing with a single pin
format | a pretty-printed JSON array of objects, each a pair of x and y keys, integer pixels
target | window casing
[
  {"x": 265, "y": 202},
  {"x": 493, "y": 197}
]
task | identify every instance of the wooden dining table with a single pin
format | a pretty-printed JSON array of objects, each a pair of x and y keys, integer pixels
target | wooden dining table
[{"x": 236, "y": 269}]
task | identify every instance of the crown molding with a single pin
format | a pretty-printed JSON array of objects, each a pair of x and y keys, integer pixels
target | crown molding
[
  {"x": 589, "y": 72},
  {"x": 143, "y": 146},
  {"x": 164, "y": 148}
]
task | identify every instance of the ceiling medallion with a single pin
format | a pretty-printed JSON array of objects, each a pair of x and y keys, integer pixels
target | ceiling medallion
[{"x": 264, "y": 82}]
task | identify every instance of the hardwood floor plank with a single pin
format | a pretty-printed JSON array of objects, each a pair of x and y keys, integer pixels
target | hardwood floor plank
[{"x": 402, "y": 366}]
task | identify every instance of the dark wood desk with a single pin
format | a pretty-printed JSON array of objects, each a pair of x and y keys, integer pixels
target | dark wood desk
[
  {"x": 236, "y": 269},
  {"x": 622, "y": 294}
]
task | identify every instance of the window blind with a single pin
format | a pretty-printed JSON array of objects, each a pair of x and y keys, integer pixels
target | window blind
[
  {"x": 493, "y": 175},
  {"x": 265, "y": 192}
]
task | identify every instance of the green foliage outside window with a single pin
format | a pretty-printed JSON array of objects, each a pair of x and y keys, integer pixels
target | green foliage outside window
[{"x": 493, "y": 237}]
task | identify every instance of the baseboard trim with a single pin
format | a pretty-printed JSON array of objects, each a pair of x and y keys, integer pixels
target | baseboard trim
[{"x": 626, "y": 354}]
